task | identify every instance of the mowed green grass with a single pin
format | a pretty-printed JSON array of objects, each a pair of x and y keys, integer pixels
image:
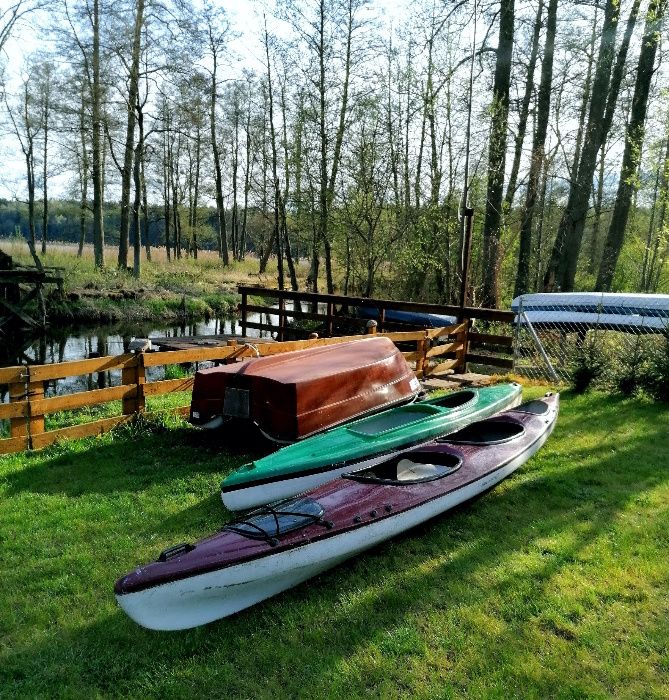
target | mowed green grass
[{"x": 553, "y": 585}]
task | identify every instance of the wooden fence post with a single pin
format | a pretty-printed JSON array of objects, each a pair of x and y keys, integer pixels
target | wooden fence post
[
  {"x": 282, "y": 319},
  {"x": 35, "y": 392},
  {"x": 422, "y": 346},
  {"x": 330, "y": 329},
  {"x": 133, "y": 373},
  {"x": 371, "y": 327},
  {"x": 243, "y": 312},
  {"x": 18, "y": 427},
  {"x": 463, "y": 338}
]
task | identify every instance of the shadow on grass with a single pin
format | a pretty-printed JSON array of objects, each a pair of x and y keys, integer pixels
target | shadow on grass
[
  {"x": 299, "y": 642},
  {"x": 134, "y": 460}
]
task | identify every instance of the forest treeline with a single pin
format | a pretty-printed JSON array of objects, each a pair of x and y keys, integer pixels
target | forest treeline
[{"x": 358, "y": 143}]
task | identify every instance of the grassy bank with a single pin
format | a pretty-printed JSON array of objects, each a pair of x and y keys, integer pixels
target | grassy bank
[
  {"x": 553, "y": 585},
  {"x": 167, "y": 290}
]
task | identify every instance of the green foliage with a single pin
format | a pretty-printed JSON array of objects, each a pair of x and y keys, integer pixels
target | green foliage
[
  {"x": 655, "y": 376},
  {"x": 588, "y": 365},
  {"x": 176, "y": 372}
]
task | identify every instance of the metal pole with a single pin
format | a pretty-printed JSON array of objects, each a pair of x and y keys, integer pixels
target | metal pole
[
  {"x": 467, "y": 246},
  {"x": 539, "y": 347}
]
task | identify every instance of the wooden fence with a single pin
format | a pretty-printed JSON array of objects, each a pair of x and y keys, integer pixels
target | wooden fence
[
  {"x": 28, "y": 404},
  {"x": 481, "y": 346}
]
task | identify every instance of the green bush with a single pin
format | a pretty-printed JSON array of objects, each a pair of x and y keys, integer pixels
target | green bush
[
  {"x": 654, "y": 373},
  {"x": 589, "y": 365}
]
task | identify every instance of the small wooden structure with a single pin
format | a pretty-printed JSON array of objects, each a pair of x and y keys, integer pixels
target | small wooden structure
[
  {"x": 186, "y": 342},
  {"x": 19, "y": 286}
]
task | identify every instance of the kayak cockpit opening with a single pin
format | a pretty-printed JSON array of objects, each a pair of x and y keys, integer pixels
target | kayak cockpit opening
[
  {"x": 389, "y": 420},
  {"x": 410, "y": 468},
  {"x": 486, "y": 432},
  {"x": 537, "y": 407},
  {"x": 268, "y": 522},
  {"x": 456, "y": 399}
]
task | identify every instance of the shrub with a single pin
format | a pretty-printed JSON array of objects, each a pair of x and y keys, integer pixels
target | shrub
[
  {"x": 655, "y": 371},
  {"x": 588, "y": 366}
]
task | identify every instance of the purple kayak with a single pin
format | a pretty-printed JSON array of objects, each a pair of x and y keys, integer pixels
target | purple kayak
[{"x": 281, "y": 545}]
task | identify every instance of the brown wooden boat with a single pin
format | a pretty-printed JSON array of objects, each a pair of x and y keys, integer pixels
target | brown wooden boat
[{"x": 296, "y": 394}]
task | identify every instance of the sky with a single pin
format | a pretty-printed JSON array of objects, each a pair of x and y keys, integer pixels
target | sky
[{"x": 246, "y": 19}]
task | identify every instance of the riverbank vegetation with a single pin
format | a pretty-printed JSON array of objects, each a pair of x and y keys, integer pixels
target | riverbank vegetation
[
  {"x": 551, "y": 585},
  {"x": 177, "y": 290}
]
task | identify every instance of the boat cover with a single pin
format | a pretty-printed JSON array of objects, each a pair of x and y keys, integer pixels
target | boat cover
[
  {"x": 295, "y": 394},
  {"x": 608, "y": 310}
]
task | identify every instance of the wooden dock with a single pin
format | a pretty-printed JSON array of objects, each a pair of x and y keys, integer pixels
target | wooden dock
[{"x": 187, "y": 342}]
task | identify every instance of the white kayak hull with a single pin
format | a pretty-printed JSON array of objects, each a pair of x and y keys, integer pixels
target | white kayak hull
[{"x": 206, "y": 597}]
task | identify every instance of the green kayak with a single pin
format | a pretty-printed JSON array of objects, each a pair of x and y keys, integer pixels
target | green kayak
[{"x": 360, "y": 444}]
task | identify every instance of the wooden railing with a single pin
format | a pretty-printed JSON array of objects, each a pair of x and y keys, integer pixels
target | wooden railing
[
  {"x": 28, "y": 405},
  {"x": 481, "y": 347}
]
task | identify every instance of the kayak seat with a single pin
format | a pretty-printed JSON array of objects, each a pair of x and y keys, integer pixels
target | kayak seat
[
  {"x": 412, "y": 468},
  {"x": 408, "y": 470},
  {"x": 486, "y": 432}
]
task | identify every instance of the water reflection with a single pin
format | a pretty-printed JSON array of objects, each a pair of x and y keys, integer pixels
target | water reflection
[{"x": 72, "y": 343}]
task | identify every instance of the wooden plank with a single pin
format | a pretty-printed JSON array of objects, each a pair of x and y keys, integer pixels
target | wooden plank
[
  {"x": 491, "y": 339},
  {"x": 439, "y": 350},
  {"x": 167, "y": 386},
  {"x": 15, "y": 444},
  {"x": 413, "y": 356},
  {"x": 59, "y": 370},
  {"x": 16, "y": 409},
  {"x": 404, "y": 336},
  {"x": 445, "y": 331},
  {"x": 79, "y": 399},
  {"x": 18, "y": 311},
  {"x": 18, "y": 427},
  {"x": 177, "y": 357},
  {"x": 491, "y": 360},
  {"x": 11, "y": 375},
  {"x": 441, "y": 368},
  {"x": 97, "y": 427},
  {"x": 35, "y": 415}
]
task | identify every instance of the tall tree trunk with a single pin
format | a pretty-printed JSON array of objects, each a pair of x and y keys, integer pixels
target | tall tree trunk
[
  {"x": 634, "y": 136},
  {"x": 276, "y": 234},
  {"x": 247, "y": 186},
  {"x": 561, "y": 270},
  {"x": 538, "y": 154},
  {"x": 599, "y": 198},
  {"x": 83, "y": 175},
  {"x": 137, "y": 243},
  {"x": 497, "y": 154},
  {"x": 656, "y": 223},
  {"x": 524, "y": 111},
  {"x": 585, "y": 99},
  {"x": 127, "y": 170},
  {"x": 218, "y": 177},
  {"x": 46, "y": 118},
  {"x": 97, "y": 173},
  {"x": 166, "y": 182}
]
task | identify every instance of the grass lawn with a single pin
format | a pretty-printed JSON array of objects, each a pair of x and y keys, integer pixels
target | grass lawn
[{"x": 554, "y": 585}]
